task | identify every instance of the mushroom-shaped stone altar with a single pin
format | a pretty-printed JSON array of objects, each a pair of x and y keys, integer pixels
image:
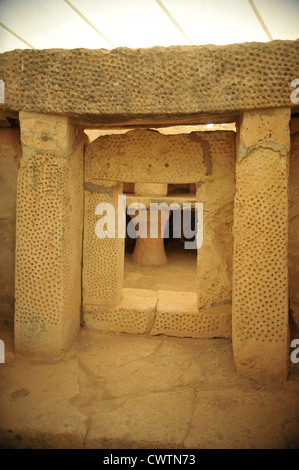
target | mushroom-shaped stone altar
[{"x": 154, "y": 207}]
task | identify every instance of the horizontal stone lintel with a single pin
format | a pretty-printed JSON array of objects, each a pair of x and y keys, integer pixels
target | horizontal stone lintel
[{"x": 101, "y": 86}]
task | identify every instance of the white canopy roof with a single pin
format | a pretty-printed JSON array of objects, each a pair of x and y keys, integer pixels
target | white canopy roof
[{"x": 44, "y": 24}]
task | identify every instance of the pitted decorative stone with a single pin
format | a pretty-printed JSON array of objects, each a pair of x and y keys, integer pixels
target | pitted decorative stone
[{"x": 124, "y": 85}]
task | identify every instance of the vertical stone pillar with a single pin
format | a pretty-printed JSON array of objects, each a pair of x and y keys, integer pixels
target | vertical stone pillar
[
  {"x": 216, "y": 191},
  {"x": 48, "y": 235},
  {"x": 260, "y": 265},
  {"x": 150, "y": 251},
  {"x": 294, "y": 221},
  {"x": 103, "y": 258}
]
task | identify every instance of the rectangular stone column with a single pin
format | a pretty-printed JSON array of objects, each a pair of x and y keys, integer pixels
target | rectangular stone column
[
  {"x": 294, "y": 221},
  {"x": 48, "y": 235},
  {"x": 216, "y": 191},
  {"x": 103, "y": 257},
  {"x": 260, "y": 265}
]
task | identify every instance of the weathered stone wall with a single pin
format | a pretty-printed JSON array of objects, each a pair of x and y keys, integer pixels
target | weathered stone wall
[
  {"x": 294, "y": 221},
  {"x": 10, "y": 154}
]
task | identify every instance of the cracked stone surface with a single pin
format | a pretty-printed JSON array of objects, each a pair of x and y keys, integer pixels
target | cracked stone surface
[{"x": 128, "y": 392}]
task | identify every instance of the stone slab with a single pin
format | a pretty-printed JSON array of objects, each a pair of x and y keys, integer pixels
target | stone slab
[
  {"x": 133, "y": 314},
  {"x": 129, "y": 85},
  {"x": 178, "y": 315}
]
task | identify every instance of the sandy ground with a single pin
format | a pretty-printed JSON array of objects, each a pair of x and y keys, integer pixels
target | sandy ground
[
  {"x": 179, "y": 274},
  {"x": 124, "y": 391}
]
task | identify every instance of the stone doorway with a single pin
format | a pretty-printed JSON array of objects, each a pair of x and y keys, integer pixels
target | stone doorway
[
  {"x": 190, "y": 294},
  {"x": 179, "y": 271},
  {"x": 193, "y": 85}
]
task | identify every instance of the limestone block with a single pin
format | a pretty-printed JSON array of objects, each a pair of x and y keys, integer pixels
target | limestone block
[
  {"x": 46, "y": 133},
  {"x": 264, "y": 131},
  {"x": 146, "y": 156},
  {"x": 48, "y": 252},
  {"x": 10, "y": 154},
  {"x": 294, "y": 227},
  {"x": 178, "y": 315},
  {"x": 144, "y": 189},
  {"x": 125, "y": 86},
  {"x": 216, "y": 192},
  {"x": 103, "y": 258},
  {"x": 133, "y": 314},
  {"x": 260, "y": 278}
]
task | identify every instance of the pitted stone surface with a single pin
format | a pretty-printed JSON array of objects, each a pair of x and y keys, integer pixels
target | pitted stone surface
[
  {"x": 294, "y": 224},
  {"x": 178, "y": 315},
  {"x": 94, "y": 85},
  {"x": 134, "y": 314},
  {"x": 103, "y": 258},
  {"x": 146, "y": 156},
  {"x": 48, "y": 252},
  {"x": 260, "y": 279}
]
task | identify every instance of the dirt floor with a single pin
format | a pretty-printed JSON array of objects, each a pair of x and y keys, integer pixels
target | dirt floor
[
  {"x": 179, "y": 274},
  {"x": 129, "y": 392}
]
